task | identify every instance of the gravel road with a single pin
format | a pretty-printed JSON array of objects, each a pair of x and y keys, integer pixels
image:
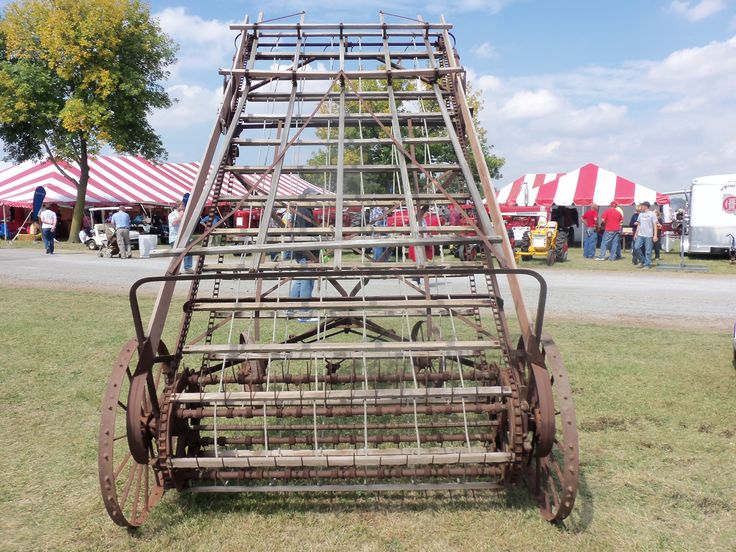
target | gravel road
[{"x": 663, "y": 299}]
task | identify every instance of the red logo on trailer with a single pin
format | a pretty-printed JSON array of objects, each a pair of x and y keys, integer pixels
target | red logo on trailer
[{"x": 729, "y": 204}]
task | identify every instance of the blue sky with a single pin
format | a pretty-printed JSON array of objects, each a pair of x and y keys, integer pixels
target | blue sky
[{"x": 643, "y": 88}]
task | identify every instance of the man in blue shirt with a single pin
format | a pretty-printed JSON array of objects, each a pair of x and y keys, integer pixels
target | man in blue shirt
[{"x": 121, "y": 224}]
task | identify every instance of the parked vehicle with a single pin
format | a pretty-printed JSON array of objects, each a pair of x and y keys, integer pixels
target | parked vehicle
[
  {"x": 98, "y": 235},
  {"x": 546, "y": 241},
  {"x": 710, "y": 215}
]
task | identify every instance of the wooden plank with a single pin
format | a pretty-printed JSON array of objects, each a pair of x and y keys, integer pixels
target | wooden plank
[
  {"x": 353, "y": 460},
  {"x": 334, "y": 395},
  {"x": 314, "y": 245},
  {"x": 327, "y": 304},
  {"x": 260, "y": 169},
  {"x": 352, "y": 75},
  {"x": 327, "y": 347}
]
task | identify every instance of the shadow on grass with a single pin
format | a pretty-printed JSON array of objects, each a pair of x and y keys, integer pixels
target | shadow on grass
[
  {"x": 357, "y": 502},
  {"x": 582, "y": 515},
  {"x": 183, "y": 508}
]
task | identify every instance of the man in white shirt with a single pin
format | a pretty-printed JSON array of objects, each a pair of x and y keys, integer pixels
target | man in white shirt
[
  {"x": 121, "y": 224},
  {"x": 48, "y": 228},
  {"x": 175, "y": 218},
  {"x": 646, "y": 234}
]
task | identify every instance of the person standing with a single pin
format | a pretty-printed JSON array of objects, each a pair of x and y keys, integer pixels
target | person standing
[
  {"x": 611, "y": 219},
  {"x": 590, "y": 218},
  {"x": 658, "y": 242},
  {"x": 121, "y": 223},
  {"x": 646, "y": 234},
  {"x": 48, "y": 228},
  {"x": 378, "y": 219},
  {"x": 175, "y": 218},
  {"x": 302, "y": 288},
  {"x": 636, "y": 254}
]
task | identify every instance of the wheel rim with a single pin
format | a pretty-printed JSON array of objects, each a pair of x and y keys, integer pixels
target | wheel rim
[
  {"x": 541, "y": 403},
  {"x": 129, "y": 489},
  {"x": 554, "y": 478}
]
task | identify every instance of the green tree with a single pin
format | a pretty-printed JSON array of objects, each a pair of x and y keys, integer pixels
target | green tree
[
  {"x": 78, "y": 75},
  {"x": 378, "y": 154}
]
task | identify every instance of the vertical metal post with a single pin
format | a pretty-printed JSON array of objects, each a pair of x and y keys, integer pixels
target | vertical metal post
[
  {"x": 404, "y": 173},
  {"x": 340, "y": 181}
]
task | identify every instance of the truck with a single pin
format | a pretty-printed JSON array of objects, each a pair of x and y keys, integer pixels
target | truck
[{"x": 710, "y": 215}]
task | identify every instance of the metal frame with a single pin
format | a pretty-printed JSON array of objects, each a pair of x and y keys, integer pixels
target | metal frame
[{"x": 403, "y": 372}]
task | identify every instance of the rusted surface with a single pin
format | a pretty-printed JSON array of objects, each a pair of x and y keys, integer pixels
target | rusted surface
[
  {"x": 397, "y": 367},
  {"x": 129, "y": 489}
]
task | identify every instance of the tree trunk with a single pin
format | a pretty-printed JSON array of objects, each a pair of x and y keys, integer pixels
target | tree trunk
[{"x": 78, "y": 214}]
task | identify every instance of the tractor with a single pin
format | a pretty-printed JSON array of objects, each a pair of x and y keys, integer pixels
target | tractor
[{"x": 546, "y": 241}]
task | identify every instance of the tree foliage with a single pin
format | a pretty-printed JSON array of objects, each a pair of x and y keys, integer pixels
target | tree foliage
[
  {"x": 78, "y": 75},
  {"x": 382, "y": 154}
]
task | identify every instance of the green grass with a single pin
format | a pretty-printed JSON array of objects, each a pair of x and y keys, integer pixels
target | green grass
[
  {"x": 713, "y": 265},
  {"x": 655, "y": 412}
]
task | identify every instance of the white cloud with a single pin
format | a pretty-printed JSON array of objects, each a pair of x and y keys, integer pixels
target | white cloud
[
  {"x": 487, "y": 83},
  {"x": 697, "y": 11},
  {"x": 530, "y": 104},
  {"x": 717, "y": 59},
  {"x": 596, "y": 118},
  {"x": 543, "y": 151},
  {"x": 485, "y": 51},
  {"x": 194, "y": 105},
  {"x": 462, "y": 6},
  {"x": 204, "y": 44},
  {"x": 658, "y": 122},
  {"x": 685, "y": 104}
]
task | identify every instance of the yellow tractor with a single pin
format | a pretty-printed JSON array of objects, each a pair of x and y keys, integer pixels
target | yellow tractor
[{"x": 546, "y": 241}]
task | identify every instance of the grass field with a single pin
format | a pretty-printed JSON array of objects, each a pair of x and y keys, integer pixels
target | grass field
[{"x": 655, "y": 412}]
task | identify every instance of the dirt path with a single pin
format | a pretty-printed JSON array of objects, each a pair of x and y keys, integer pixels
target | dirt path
[{"x": 662, "y": 299}]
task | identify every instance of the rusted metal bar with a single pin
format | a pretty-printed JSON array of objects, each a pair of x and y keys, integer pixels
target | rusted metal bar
[{"x": 332, "y": 411}]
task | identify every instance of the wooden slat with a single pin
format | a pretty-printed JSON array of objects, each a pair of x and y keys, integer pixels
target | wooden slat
[
  {"x": 328, "y": 347},
  {"x": 328, "y": 245},
  {"x": 355, "y": 459},
  {"x": 338, "y": 396},
  {"x": 327, "y": 304},
  {"x": 260, "y": 169}
]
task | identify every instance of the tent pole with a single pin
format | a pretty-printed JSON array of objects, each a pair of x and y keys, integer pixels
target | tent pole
[
  {"x": 30, "y": 212},
  {"x": 5, "y": 222}
]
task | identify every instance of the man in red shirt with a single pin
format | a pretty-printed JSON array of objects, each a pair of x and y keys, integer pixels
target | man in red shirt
[
  {"x": 590, "y": 233},
  {"x": 612, "y": 220}
]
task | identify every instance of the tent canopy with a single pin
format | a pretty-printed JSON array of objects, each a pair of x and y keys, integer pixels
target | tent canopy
[
  {"x": 523, "y": 190},
  {"x": 583, "y": 186},
  {"x": 123, "y": 179}
]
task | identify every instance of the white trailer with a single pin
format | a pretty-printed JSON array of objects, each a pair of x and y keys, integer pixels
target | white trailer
[{"x": 712, "y": 214}]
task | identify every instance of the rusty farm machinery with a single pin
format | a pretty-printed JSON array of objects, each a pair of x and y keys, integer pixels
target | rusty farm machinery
[{"x": 295, "y": 360}]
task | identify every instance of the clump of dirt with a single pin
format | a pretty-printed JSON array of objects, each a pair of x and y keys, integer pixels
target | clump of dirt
[{"x": 604, "y": 423}]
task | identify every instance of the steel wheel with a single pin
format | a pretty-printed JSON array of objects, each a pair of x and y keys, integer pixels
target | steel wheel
[
  {"x": 553, "y": 479},
  {"x": 129, "y": 489}
]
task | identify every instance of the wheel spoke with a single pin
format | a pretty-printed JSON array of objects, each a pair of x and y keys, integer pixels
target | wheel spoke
[
  {"x": 128, "y": 484},
  {"x": 136, "y": 499},
  {"x": 121, "y": 466}
]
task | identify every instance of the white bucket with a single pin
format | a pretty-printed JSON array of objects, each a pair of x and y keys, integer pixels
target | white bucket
[{"x": 147, "y": 242}]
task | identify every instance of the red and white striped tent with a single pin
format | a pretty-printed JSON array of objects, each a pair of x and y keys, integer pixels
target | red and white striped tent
[
  {"x": 523, "y": 190},
  {"x": 122, "y": 179},
  {"x": 586, "y": 185}
]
